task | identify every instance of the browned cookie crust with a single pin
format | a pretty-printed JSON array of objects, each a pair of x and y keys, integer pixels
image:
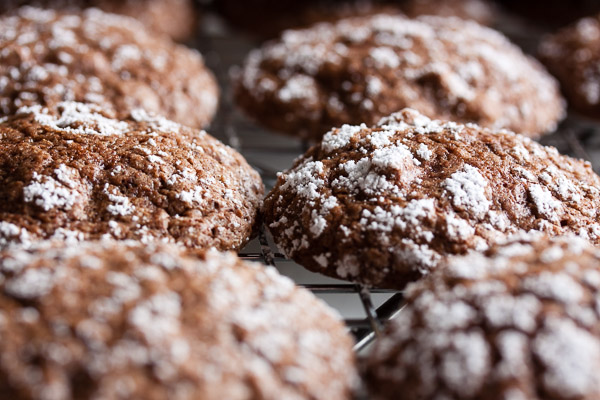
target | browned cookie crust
[
  {"x": 106, "y": 320},
  {"x": 481, "y": 11},
  {"x": 573, "y": 55},
  {"x": 175, "y": 18},
  {"x": 76, "y": 173},
  {"x": 520, "y": 322},
  {"x": 48, "y": 56},
  {"x": 361, "y": 69},
  {"x": 383, "y": 205}
]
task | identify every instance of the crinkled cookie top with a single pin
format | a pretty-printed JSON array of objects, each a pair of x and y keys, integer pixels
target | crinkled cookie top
[
  {"x": 361, "y": 69},
  {"x": 76, "y": 172},
  {"x": 122, "y": 320},
  {"x": 520, "y": 321},
  {"x": 383, "y": 205},
  {"x": 49, "y": 56}
]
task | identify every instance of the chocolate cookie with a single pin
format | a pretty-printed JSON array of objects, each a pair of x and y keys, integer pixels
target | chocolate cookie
[
  {"x": 74, "y": 172},
  {"x": 481, "y": 11},
  {"x": 383, "y": 205},
  {"x": 362, "y": 69},
  {"x": 106, "y": 320},
  {"x": 175, "y": 18},
  {"x": 520, "y": 322},
  {"x": 552, "y": 13},
  {"x": 49, "y": 56},
  {"x": 268, "y": 18},
  {"x": 572, "y": 55}
]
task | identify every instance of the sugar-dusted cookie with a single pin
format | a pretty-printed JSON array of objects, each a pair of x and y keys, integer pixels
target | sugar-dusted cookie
[
  {"x": 124, "y": 320},
  {"x": 518, "y": 322},
  {"x": 75, "y": 172},
  {"x": 573, "y": 54},
  {"x": 383, "y": 205},
  {"x": 175, "y": 18},
  {"x": 361, "y": 69},
  {"x": 49, "y": 56}
]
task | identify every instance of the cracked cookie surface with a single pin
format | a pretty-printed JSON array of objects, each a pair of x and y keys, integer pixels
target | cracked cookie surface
[
  {"x": 520, "y": 321},
  {"x": 49, "y": 56},
  {"x": 75, "y": 172},
  {"x": 361, "y": 69},
  {"x": 383, "y": 205},
  {"x": 123, "y": 320}
]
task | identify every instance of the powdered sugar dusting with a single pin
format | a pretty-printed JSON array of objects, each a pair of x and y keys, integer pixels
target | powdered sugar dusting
[
  {"x": 468, "y": 189},
  {"x": 571, "y": 355},
  {"x": 338, "y": 138},
  {"x": 545, "y": 203},
  {"x": 48, "y": 193},
  {"x": 76, "y": 118},
  {"x": 517, "y": 306}
]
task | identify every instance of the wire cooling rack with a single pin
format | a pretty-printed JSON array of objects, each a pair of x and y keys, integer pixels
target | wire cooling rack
[
  {"x": 364, "y": 329},
  {"x": 269, "y": 153}
]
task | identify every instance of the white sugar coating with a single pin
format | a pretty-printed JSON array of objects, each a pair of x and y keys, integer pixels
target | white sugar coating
[
  {"x": 361, "y": 177},
  {"x": 155, "y": 121},
  {"x": 374, "y": 85},
  {"x": 545, "y": 203},
  {"x": 394, "y": 157},
  {"x": 121, "y": 205},
  {"x": 467, "y": 188},
  {"x": 421, "y": 256},
  {"x": 10, "y": 233},
  {"x": 557, "y": 286},
  {"x": 570, "y": 356},
  {"x": 48, "y": 193},
  {"x": 318, "y": 224},
  {"x": 458, "y": 228},
  {"x": 65, "y": 175},
  {"x": 466, "y": 363},
  {"x": 31, "y": 284},
  {"x": 78, "y": 118},
  {"x": 410, "y": 119},
  {"x": 380, "y": 138},
  {"x": 338, "y": 138},
  {"x": 306, "y": 182},
  {"x": 158, "y": 317},
  {"x": 424, "y": 152},
  {"x": 520, "y": 311},
  {"x": 141, "y": 317},
  {"x": 445, "y": 317},
  {"x": 300, "y": 87},
  {"x": 512, "y": 346},
  {"x": 385, "y": 57},
  {"x": 538, "y": 317},
  {"x": 552, "y": 254}
]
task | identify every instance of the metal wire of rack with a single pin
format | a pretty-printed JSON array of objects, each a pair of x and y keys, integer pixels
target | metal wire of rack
[
  {"x": 223, "y": 51},
  {"x": 364, "y": 330}
]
